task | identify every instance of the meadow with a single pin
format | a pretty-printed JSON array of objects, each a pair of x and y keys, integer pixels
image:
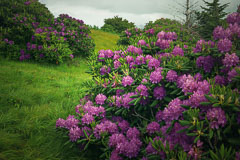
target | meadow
[{"x": 33, "y": 96}]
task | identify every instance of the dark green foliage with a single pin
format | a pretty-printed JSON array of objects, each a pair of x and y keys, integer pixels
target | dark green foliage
[
  {"x": 116, "y": 24},
  {"x": 211, "y": 16},
  {"x": 76, "y": 34},
  {"x": 19, "y": 18}
]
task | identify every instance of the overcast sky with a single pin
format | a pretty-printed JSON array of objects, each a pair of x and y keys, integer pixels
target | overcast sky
[{"x": 140, "y": 12}]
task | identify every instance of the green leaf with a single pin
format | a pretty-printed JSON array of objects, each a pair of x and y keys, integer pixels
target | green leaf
[
  {"x": 86, "y": 146},
  {"x": 211, "y": 99},
  {"x": 234, "y": 141},
  {"x": 215, "y": 105},
  {"x": 196, "y": 139},
  {"x": 133, "y": 101},
  {"x": 205, "y": 103},
  {"x": 109, "y": 109},
  {"x": 85, "y": 133},
  {"x": 182, "y": 130},
  {"x": 191, "y": 134},
  {"x": 155, "y": 102},
  {"x": 185, "y": 106},
  {"x": 184, "y": 122},
  {"x": 137, "y": 100},
  {"x": 134, "y": 96},
  {"x": 174, "y": 92},
  {"x": 210, "y": 134},
  {"x": 167, "y": 99}
]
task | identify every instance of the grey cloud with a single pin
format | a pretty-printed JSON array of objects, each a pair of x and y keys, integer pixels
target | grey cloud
[
  {"x": 135, "y": 6},
  {"x": 94, "y": 12}
]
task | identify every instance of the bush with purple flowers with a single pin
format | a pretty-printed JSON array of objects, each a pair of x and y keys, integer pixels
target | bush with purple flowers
[
  {"x": 34, "y": 34},
  {"x": 173, "y": 102}
]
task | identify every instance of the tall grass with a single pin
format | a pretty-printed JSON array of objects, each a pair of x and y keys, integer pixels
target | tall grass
[{"x": 32, "y": 97}]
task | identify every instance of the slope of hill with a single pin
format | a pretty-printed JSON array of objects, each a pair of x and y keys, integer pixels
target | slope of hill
[
  {"x": 33, "y": 96},
  {"x": 104, "y": 40}
]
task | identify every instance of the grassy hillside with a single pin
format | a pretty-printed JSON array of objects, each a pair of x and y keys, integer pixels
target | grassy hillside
[
  {"x": 33, "y": 97},
  {"x": 104, "y": 40}
]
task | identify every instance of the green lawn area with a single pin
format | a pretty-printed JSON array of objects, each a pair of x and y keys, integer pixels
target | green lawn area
[
  {"x": 33, "y": 96},
  {"x": 104, "y": 40}
]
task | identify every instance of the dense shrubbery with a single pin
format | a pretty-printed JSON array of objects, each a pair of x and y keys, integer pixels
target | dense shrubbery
[
  {"x": 151, "y": 29},
  {"x": 29, "y": 31},
  {"x": 19, "y": 19},
  {"x": 164, "y": 97},
  {"x": 76, "y": 34},
  {"x": 116, "y": 25}
]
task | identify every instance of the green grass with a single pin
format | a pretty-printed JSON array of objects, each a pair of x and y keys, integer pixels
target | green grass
[
  {"x": 104, "y": 40},
  {"x": 32, "y": 97}
]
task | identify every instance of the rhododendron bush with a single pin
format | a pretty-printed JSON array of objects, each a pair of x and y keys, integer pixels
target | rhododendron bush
[
  {"x": 178, "y": 101},
  {"x": 31, "y": 32}
]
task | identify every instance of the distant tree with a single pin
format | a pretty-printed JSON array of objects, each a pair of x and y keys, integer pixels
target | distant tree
[
  {"x": 211, "y": 16},
  {"x": 116, "y": 24},
  {"x": 188, "y": 10}
]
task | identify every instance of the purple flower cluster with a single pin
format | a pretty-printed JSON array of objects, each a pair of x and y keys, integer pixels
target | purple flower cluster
[
  {"x": 100, "y": 99},
  {"x": 123, "y": 101},
  {"x": 27, "y": 3},
  {"x": 195, "y": 99},
  {"x": 231, "y": 74},
  {"x": 127, "y": 81},
  {"x": 230, "y": 60},
  {"x": 202, "y": 44},
  {"x": 224, "y": 45},
  {"x": 163, "y": 44},
  {"x": 173, "y": 111},
  {"x": 150, "y": 31},
  {"x": 105, "y": 54},
  {"x": 220, "y": 33},
  {"x": 117, "y": 64},
  {"x": 207, "y": 63},
  {"x": 233, "y": 18},
  {"x": 153, "y": 127},
  {"x": 156, "y": 76},
  {"x": 221, "y": 80},
  {"x": 167, "y": 35},
  {"x": 8, "y": 42},
  {"x": 23, "y": 55},
  {"x": 153, "y": 63},
  {"x": 140, "y": 60},
  {"x": 171, "y": 76},
  {"x": 105, "y": 70},
  {"x": 69, "y": 123},
  {"x": 142, "y": 42},
  {"x": 142, "y": 90},
  {"x": 178, "y": 51},
  {"x": 159, "y": 92},
  {"x": 217, "y": 117},
  {"x": 105, "y": 127},
  {"x": 189, "y": 84},
  {"x": 126, "y": 99},
  {"x": 129, "y": 146},
  {"x": 134, "y": 49}
]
